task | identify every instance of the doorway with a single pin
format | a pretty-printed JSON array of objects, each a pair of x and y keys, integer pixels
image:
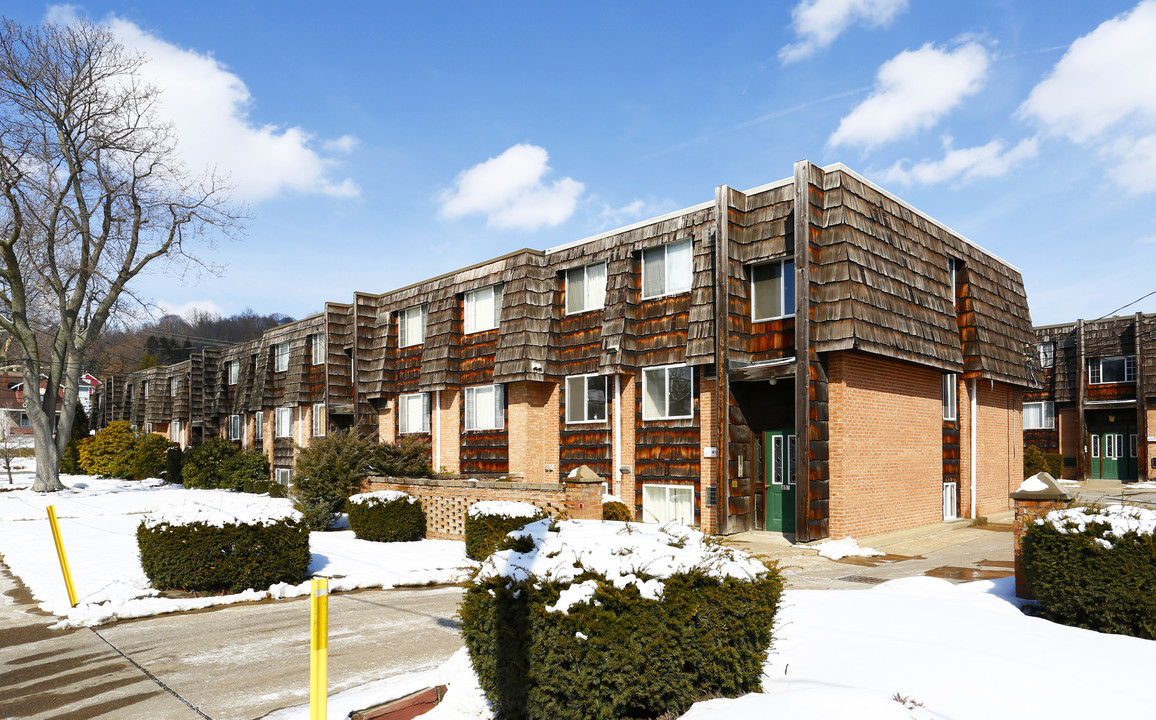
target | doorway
[{"x": 779, "y": 475}]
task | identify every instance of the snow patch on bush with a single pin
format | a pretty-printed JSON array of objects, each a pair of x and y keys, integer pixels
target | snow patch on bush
[
  {"x": 258, "y": 510},
  {"x": 385, "y": 496},
  {"x": 1120, "y": 519},
  {"x": 503, "y": 508}
]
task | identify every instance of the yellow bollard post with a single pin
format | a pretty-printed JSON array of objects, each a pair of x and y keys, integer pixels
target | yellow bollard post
[
  {"x": 318, "y": 648},
  {"x": 60, "y": 554}
]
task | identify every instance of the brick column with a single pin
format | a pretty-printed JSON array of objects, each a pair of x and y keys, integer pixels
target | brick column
[
  {"x": 709, "y": 441},
  {"x": 1030, "y": 505},
  {"x": 532, "y": 425},
  {"x": 583, "y": 495},
  {"x": 627, "y": 405},
  {"x": 449, "y": 435},
  {"x": 385, "y": 424}
]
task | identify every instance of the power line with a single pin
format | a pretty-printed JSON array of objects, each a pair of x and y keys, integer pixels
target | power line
[{"x": 1124, "y": 306}]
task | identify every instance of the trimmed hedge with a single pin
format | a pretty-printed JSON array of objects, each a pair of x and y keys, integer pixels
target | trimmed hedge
[
  {"x": 1093, "y": 577},
  {"x": 110, "y": 451},
  {"x": 386, "y": 518},
  {"x": 205, "y": 558},
  {"x": 486, "y": 532},
  {"x": 619, "y": 655},
  {"x": 616, "y": 511},
  {"x": 149, "y": 457},
  {"x": 205, "y": 465}
]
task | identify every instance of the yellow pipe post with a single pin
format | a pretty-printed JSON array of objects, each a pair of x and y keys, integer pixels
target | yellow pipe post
[
  {"x": 318, "y": 648},
  {"x": 60, "y": 554}
]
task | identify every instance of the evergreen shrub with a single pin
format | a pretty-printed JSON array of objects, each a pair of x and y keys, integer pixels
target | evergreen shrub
[
  {"x": 249, "y": 469},
  {"x": 1095, "y": 568},
  {"x": 408, "y": 457},
  {"x": 70, "y": 462},
  {"x": 616, "y": 511},
  {"x": 488, "y": 523},
  {"x": 327, "y": 473},
  {"x": 644, "y": 648},
  {"x": 149, "y": 457},
  {"x": 201, "y": 557},
  {"x": 1034, "y": 462},
  {"x": 1055, "y": 463},
  {"x": 110, "y": 451},
  {"x": 386, "y": 516},
  {"x": 173, "y": 465},
  {"x": 207, "y": 465}
]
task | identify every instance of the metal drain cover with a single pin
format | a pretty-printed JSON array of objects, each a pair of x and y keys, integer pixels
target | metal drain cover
[{"x": 865, "y": 579}]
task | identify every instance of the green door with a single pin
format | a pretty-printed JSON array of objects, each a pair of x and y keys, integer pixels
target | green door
[
  {"x": 779, "y": 470},
  {"x": 1113, "y": 455}
]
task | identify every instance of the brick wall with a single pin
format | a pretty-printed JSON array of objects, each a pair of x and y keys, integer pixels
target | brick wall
[
  {"x": 708, "y": 467},
  {"x": 999, "y": 447},
  {"x": 626, "y": 404},
  {"x": 386, "y": 427},
  {"x": 886, "y": 445},
  {"x": 445, "y": 501},
  {"x": 532, "y": 409},
  {"x": 447, "y": 445}
]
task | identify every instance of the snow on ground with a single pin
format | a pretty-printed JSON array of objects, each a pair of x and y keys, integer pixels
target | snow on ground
[
  {"x": 98, "y": 520},
  {"x": 847, "y": 547}
]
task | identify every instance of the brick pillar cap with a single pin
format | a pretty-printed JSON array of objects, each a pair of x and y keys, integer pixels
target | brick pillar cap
[
  {"x": 1041, "y": 486},
  {"x": 584, "y": 474}
]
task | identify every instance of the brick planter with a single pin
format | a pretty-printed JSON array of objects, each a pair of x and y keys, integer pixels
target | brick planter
[{"x": 1031, "y": 505}]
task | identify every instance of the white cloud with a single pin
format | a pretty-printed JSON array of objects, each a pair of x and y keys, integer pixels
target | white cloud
[
  {"x": 913, "y": 90},
  {"x": 508, "y": 189},
  {"x": 983, "y": 161},
  {"x": 205, "y": 306},
  {"x": 208, "y": 106},
  {"x": 818, "y": 22},
  {"x": 1101, "y": 94},
  {"x": 343, "y": 144}
]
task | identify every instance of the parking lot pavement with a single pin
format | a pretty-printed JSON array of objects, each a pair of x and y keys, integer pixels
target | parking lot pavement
[
  {"x": 231, "y": 663},
  {"x": 957, "y": 551},
  {"x": 1107, "y": 492}
]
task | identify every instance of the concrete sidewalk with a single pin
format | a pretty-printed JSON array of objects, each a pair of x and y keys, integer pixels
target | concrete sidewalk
[{"x": 958, "y": 551}]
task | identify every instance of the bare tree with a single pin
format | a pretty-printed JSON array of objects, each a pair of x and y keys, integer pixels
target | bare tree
[{"x": 90, "y": 194}]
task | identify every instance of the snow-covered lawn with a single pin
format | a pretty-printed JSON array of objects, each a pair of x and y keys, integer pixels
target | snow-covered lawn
[{"x": 98, "y": 521}]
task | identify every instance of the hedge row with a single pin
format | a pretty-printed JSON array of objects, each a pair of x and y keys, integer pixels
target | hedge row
[
  {"x": 386, "y": 516},
  {"x": 488, "y": 523}
]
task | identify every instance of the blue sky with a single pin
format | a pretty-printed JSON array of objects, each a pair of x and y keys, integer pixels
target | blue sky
[{"x": 378, "y": 144}]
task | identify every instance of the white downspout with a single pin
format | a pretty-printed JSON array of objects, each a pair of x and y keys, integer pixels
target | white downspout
[
  {"x": 617, "y": 434},
  {"x": 437, "y": 431},
  {"x": 974, "y": 423}
]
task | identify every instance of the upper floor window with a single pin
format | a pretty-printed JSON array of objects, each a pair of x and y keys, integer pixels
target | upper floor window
[
  {"x": 411, "y": 326},
  {"x": 173, "y": 383},
  {"x": 281, "y": 357},
  {"x": 413, "y": 413},
  {"x": 144, "y": 389},
  {"x": 585, "y": 398},
  {"x": 232, "y": 371},
  {"x": 1039, "y": 415},
  {"x": 667, "y": 392},
  {"x": 585, "y": 288},
  {"x": 952, "y": 269},
  {"x": 1047, "y": 354},
  {"x": 773, "y": 290},
  {"x": 485, "y": 409},
  {"x": 950, "y": 395},
  {"x": 1116, "y": 369},
  {"x": 317, "y": 348},
  {"x": 483, "y": 308},
  {"x": 667, "y": 269}
]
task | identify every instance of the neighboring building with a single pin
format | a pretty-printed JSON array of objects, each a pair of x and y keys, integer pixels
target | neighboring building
[
  {"x": 12, "y": 398},
  {"x": 1094, "y": 406},
  {"x": 811, "y": 356}
]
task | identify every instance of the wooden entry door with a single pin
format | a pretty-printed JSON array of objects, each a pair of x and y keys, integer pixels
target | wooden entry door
[
  {"x": 779, "y": 469},
  {"x": 1113, "y": 454}
]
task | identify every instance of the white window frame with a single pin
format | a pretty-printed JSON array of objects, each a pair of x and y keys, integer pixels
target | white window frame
[
  {"x": 1047, "y": 415},
  {"x": 650, "y": 493},
  {"x": 783, "y": 299},
  {"x": 648, "y": 374},
  {"x": 952, "y": 270},
  {"x": 174, "y": 383},
  {"x": 233, "y": 429},
  {"x": 475, "y": 323},
  {"x": 1096, "y": 370},
  {"x": 473, "y": 422},
  {"x": 283, "y": 422},
  {"x": 232, "y": 372},
  {"x": 583, "y": 403},
  {"x": 1095, "y": 446},
  {"x": 258, "y": 425},
  {"x": 317, "y": 348},
  {"x": 950, "y": 500},
  {"x": 280, "y": 357},
  {"x": 950, "y": 396},
  {"x": 144, "y": 390},
  {"x": 593, "y": 295},
  {"x": 318, "y": 418},
  {"x": 283, "y": 476},
  {"x": 670, "y": 285},
  {"x": 404, "y": 426},
  {"x": 175, "y": 431},
  {"x": 148, "y": 428},
  {"x": 408, "y": 328},
  {"x": 1046, "y": 351}
]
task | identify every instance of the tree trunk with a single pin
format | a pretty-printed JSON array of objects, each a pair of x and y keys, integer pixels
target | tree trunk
[{"x": 47, "y": 460}]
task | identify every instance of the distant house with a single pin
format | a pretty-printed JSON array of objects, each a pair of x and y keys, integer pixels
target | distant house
[
  {"x": 12, "y": 400},
  {"x": 1096, "y": 397},
  {"x": 813, "y": 357}
]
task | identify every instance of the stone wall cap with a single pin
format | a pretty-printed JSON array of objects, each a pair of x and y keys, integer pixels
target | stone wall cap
[
  {"x": 1041, "y": 486},
  {"x": 583, "y": 474}
]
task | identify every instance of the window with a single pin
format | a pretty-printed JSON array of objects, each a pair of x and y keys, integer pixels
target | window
[
  {"x": 950, "y": 500},
  {"x": 1039, "y": 415},
  {"x": 585, "y": 398},
  {"x": 144, "y": 389},
  {"x": 234, "y": 427},
  {"x": 175, "y": 431},
  {"x": 773, "y": 290},
  {"x": 318, "y": 419},
  {"x": 666, "y": 270},
  {"x": 950, "y": 388},
  {"x": 127, "y": 395},
  {"x": 666, "y": 503},
  {"x": 281, "y": 357},
  {"x": 667, "y": 392},
  {"x": 148, "y": 427},
  {"x": 173, "y": 382},
  {"x": 585, "y": 288},
  {"x": 283, "y": 422},
  {"x": 952, "y": 264},
  {"x": 259, "y": 425},
  {"x": 485, "y": 409},
  {"x": 317, "y": 348},
  {"x": 483, "y": 309},
  {"x": 283, "y": 475},
  {"x": 1111, "y": 370},
  {"x": 1095, "y": 446},
  {"x": 1047, "y": 353},
  {"x": 232, "y": 371},
  {"x": 413, "y": 413},
  {"x": 411, "y": 326}
]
